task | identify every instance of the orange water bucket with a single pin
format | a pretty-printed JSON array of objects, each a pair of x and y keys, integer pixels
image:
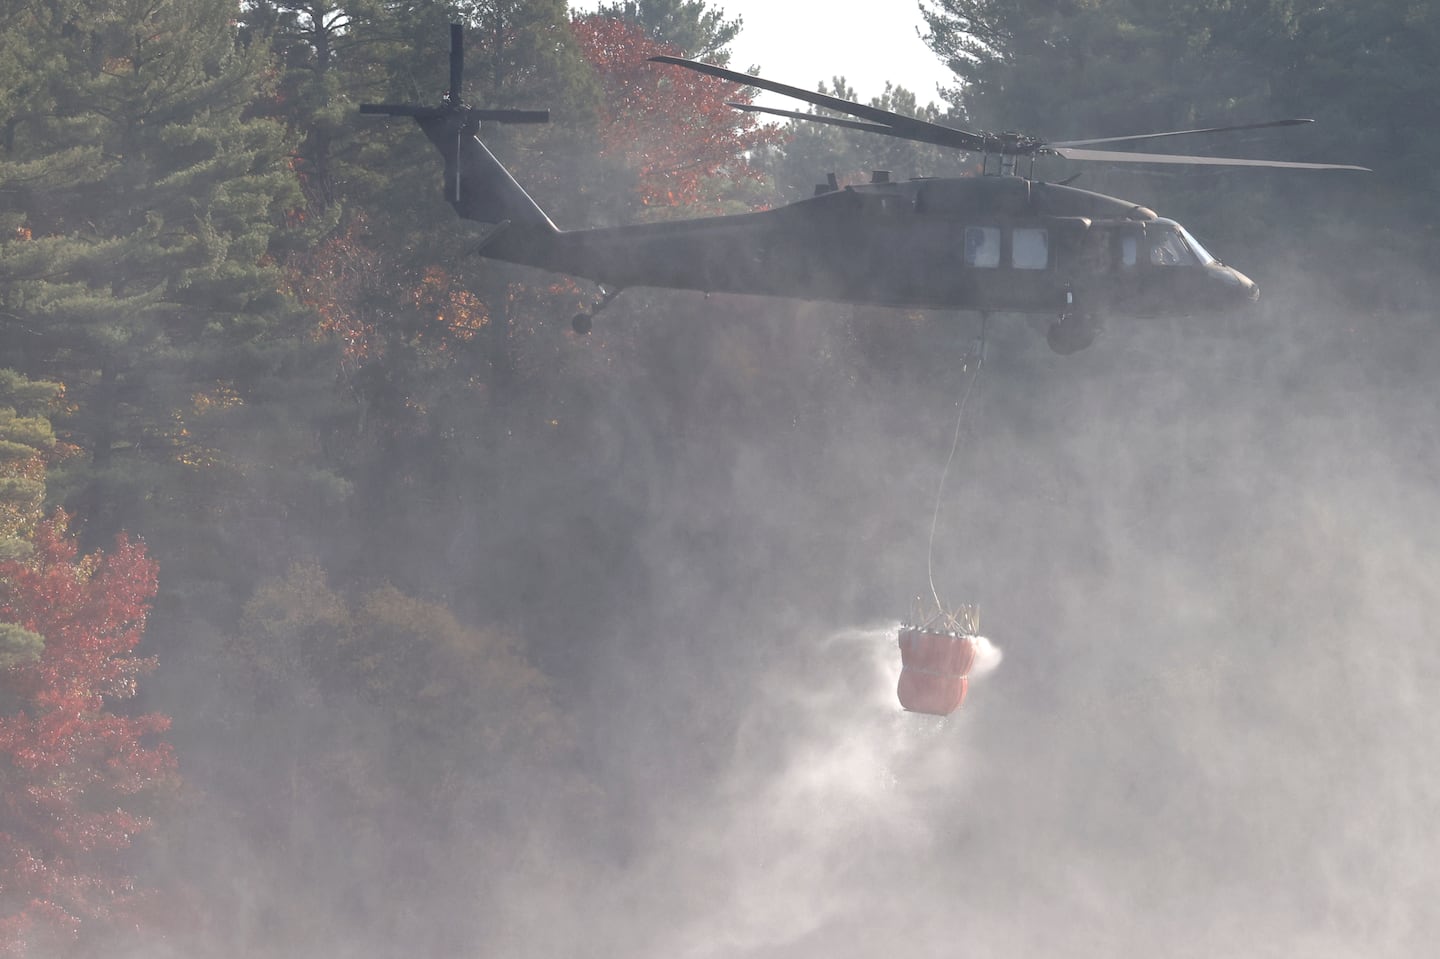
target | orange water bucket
[{"x": 936, "y": 668}]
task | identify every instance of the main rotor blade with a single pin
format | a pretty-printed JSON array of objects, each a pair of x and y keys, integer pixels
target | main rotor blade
[
  {"x": 816, "y": 118},
  {"x": 1182, "y": 133},
  {"x": 1113, "y": 156},
  {"x": 902, "y": 126}
]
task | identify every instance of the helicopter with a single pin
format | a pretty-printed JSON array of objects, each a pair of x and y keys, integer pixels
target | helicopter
[{"x": 998, "y": 242}]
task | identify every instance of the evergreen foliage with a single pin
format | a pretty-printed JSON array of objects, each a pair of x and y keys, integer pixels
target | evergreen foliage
[
  {"x": 697, "y": 30},
  {"x": 146, "y": 201},
  {"x": 811, "y": 151},
  {"x": 25, "y": 438},
  {"x": 1360, "y": 69}
]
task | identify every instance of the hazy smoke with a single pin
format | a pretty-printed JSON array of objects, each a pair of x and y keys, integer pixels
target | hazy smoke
[
  {"x": 1205, "y": 551},
  {"x": 1207, "y": 548}
]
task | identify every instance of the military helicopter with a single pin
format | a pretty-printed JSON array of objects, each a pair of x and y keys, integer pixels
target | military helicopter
[{"x": 999, "y": 242}]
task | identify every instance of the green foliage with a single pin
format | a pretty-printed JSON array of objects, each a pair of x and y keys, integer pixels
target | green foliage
[
  {"x": 22, "y": 492},
  {"x": 467, "y": 693},
  {"x": 699, "y": 30},
  {"x": 813, "y": 150},
  {"x": 25, "y": 436},
  {"x": 17, "y": 644},
  {"x": 370, "y": 720},
  {"x": 323, "y": 53},
  {"x": 146, "y": 200}
]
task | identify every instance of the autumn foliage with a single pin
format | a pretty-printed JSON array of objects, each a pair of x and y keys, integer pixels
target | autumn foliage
[
  {"x": 673, "y": 126},
  {"x": 74, "y": 772}
]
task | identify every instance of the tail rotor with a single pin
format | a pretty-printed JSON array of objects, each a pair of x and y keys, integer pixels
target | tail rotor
[
  {"x": 476, "y": 184},
  {"x": 452, "y": 104}
]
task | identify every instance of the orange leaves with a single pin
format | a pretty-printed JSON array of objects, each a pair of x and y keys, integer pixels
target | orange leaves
[
  {"x": 671, "y": 126},
  {"x": 458, "y": 313},
  {"x": 337, "y": 282},
  {"x": 222, "y": 396},
  {"x": 341, "y": 281}
]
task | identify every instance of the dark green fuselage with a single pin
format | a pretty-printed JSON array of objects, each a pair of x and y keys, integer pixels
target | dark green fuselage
[{"x": 991, "y": 243}]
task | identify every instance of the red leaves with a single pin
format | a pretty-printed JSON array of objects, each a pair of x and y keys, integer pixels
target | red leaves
[
  {"x": 67, "y": 763},
  {"x": 671, "y": 125}
]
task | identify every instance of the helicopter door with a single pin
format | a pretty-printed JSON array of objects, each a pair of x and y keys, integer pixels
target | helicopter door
[
  {"x": 1078, "y": 254},
  {"x": 1120, "y": 282},
  {"x": 1177, "y": 282},
  {"x": 1032, "y": 256}
]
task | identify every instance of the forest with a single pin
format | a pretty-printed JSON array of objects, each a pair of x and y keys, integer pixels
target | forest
[{"x": 353, "y": 605}]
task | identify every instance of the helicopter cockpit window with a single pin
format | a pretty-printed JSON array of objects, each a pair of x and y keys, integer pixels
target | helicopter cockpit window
[
  {"x": 1168, "y": 248},
  {"x": 982, "y": 246},
  {"x": 1030, "y": 248},
  {"x": 1203, "y": 254}
]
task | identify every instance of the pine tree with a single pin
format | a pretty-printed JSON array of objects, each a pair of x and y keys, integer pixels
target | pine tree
[
  {"x": 140, "y": 202},
  {"x": 694, "y": 28},
  {"x": 1118, "y": 67},
  {"x": 25, "y": 437}
]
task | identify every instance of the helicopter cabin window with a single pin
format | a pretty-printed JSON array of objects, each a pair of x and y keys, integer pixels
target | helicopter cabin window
[
  {"x": 1129, "y": 251},
  {"x": 1030, "y": 248},
  {"x": 982, "y": 246}
]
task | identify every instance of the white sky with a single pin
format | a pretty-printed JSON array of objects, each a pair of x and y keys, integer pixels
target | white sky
[{"x": 802, "y": 42}]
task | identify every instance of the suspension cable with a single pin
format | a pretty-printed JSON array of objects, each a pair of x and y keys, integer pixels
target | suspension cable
[{"x": 944, "y": 473}]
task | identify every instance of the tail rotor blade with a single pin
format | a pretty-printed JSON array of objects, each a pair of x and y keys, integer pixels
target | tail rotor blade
[{"x": 457, "y": 61}]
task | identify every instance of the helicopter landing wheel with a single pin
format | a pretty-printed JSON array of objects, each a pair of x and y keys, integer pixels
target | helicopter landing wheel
[
  {"x": 1072, "y": 332},
  {"x": 583, "y": 323}
]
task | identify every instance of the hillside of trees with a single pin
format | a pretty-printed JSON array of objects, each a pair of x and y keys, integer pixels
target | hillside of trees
[{"x": 351, "y": 604}]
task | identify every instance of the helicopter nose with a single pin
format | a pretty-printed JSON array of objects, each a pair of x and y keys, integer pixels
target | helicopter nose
[
  {"x": 1248, "y": 288},
  {"x": 1240, "y": 289}
]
